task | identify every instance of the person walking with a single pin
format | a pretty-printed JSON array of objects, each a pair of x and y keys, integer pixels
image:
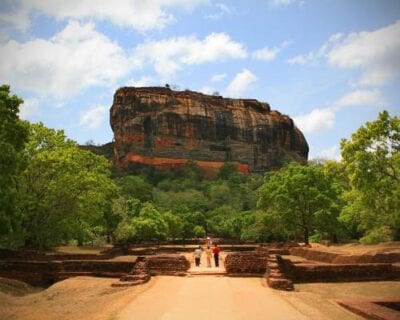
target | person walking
[
  {"x": 208, "y": 256},
  {"x": 216, "y": 250},
  {"x": 197, "y": 255}
]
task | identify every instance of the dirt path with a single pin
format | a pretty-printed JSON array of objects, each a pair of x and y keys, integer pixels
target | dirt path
[{"x": 209, "y": 297}]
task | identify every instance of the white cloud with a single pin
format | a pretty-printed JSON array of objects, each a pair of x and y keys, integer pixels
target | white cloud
[
  {"x": 144, "y": 81},
  {"x": 93, "y": 117},
  {"x": 363, "y": 98},
  {"x": 169, "y": 55},
  {"x": 268, "y": 54},
  {"x": 323, "y": 119},
  {"x": 207, "y": 90},
  {"x": 300, "y": 59},
  {"x": 313, "y": 57},
  {"x": 221, "y": 9},
  {"x": 265, "y": 54},
  {"x": 218, "y": 77},
  {"x": 29, "y": 108},
  {"x": 137, "y": 14},
  {"x": 374, "y": 53},
  {"x": 242, "y": 81},
  {"x": 75, "y": 58},
  {"x": 18, "y": 17},
  {"x": 315, "y": 121},
  {"x": 284, "y": 3},
  {"x": 332, "y": 153}
]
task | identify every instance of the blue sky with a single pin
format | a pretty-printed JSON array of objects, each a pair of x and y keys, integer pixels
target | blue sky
[{"x": 331, "y": 65}]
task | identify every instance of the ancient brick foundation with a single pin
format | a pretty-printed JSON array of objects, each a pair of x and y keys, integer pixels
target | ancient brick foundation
[
  {"x": 330, "y": 257},
  {"x": 377, "y": 309},
  {"x": 246, "y": 263},
  {"x": 311, "y": 272},
  {"x": 138, "y": 275},
  {"x": 146, "y": 267},
  {"x": 9, "y": 254},
  {"x": 275, "y": 275},
  {"x": 44, "y": 273},
  {"x": 168, "y": 265}
]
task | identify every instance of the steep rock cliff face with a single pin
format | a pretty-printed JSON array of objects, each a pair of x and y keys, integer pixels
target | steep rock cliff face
[{"x": 160, "y": 127}]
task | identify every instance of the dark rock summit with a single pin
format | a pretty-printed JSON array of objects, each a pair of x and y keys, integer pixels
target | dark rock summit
[{"x": 164, "y": 128}]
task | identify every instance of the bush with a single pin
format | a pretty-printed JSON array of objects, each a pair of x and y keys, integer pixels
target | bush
[
  {"x": 381, "y": 234},
  {"x": 199, "y": 231},
  {"x": 315, "y": 238}
]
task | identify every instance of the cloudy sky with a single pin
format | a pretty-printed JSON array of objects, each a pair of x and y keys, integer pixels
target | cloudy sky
[{"x": 329, "y": 64}]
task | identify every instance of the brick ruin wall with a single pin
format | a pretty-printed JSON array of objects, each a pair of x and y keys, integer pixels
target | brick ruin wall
[
  {"x": 9, "y": 254},
  {"x": 246, "y": 263},
  {"x": 304, "y": 273},
  {"x": 331, "y": 257},
  {"x": 44, "y": 273},
  {"x": 167, "y": 264},
  {"x": 332, "y": 267}
]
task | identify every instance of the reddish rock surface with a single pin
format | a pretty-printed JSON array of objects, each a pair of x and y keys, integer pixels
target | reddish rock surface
[{"x": 164, "y": 128}]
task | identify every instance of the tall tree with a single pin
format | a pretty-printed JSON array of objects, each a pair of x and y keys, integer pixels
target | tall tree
[
  {"x": 300, "y": 198},
  {"x": 65, "y": 192},
  {"x": 372, "y": 161},
  {"x": 13, "y": 136}
]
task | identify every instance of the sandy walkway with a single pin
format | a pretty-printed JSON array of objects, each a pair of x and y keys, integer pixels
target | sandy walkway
[{"x": 209, "y": 297}]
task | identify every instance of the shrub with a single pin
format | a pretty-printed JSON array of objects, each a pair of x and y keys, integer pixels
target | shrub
[{"x": 381, "y": 234}]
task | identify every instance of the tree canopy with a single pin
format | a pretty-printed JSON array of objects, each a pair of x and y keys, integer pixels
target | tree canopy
[
  {"x": 301, "y": 199},
  {"x": 372, "y": 161},
  {"x": 13, "y": 136}
]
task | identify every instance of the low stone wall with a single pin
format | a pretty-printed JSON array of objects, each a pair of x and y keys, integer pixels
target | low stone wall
[
  {"x": 274, "y": 276},
  {"x": 330, "y": 257},
  {"x": 168, "y": 265},
  {"x": 44, "y": 273},
  {"x": 31, "y": 255},
  {"x": 36, "y": 273},
  {"x": 269, "y": 250},
  {"x": 155, "y": 250},
  {"x": 246, "y": 263},
  {"x": 303, "y": 272},
  {"x": 375, "y": 309}
]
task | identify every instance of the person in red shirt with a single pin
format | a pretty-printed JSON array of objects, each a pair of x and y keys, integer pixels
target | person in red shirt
[{"x": 216, "y": 251}]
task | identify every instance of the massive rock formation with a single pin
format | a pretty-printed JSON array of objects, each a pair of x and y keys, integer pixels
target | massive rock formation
[{"x": 164, "y": 128}]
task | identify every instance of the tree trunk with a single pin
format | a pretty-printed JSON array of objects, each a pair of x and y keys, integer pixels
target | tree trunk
[
  {"x": 306, "y": 236},
  {"x": 80, "y": 242}
]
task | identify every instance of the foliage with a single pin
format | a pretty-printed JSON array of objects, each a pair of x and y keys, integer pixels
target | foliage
[
  {"x": 141, "y": 222},
  {"x": 301, "y": 199},
  {"x": 136, "y": 187},
  {"x": 199, "y": 231},
  {"x": 65, "y": 192},
  {"x": 380, "y": 234},
  {"x": 175, "y": 225},
  {"x": 13, "y": 136},
  {"x": 226, "y": 171},
  {"x": 372, "y": 161}
]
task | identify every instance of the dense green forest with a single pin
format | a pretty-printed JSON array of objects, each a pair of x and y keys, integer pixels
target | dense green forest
[{"x": 53, "y": 192}]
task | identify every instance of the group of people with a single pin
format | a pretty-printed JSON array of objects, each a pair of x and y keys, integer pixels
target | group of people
[{"x": 209, "y": 253}]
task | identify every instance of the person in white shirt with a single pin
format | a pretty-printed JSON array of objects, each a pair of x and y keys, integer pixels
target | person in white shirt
[{"x": 197, "y": 256}]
